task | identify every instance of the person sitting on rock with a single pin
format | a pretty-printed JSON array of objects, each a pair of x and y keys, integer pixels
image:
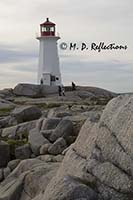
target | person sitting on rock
[
  {"x": 41, "y": 81},
  {"x": 73, "y": 86}
]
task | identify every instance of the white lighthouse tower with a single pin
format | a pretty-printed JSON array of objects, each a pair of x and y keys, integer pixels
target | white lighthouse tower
[{"x": 49, "y": 69}]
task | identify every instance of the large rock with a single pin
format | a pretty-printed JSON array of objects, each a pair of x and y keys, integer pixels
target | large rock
[
  {"x": 6, "y": 105},
  {"x": 18, "y": 131},
  {"x": 102, "y": 155},
  {"x": 4, "y": 153},
  {"x": 58, "y": 146},
  {"x": 44, "y": 149},
  {"x": 13, "y": 164},
  {"x": 6, "y": 171},
  {"x": 64, "y": 129},
  {"x": 38, "y": 178},
  {"x": 12, "y": 188},
  {"x": 78, "y": 121},
  {"x": 85, "y": 94},
  {"x": 32, "y": 90},
  {"x": 23, "y": 152},
  {"x": 29, "y": 90},
  {"x": 6, "y": 93},
  {"x": 47, "y": 133},
  {"x": 71, "y": 188},
  {"x": 30, "y": 178},
  {"x": 50, "y": 123},
  {"x": 26, "y": 113},
  {"x": 4, "y": 122},
  {"x": 39, "y": 123},
  {"x": 36, "y": 140},
  {"x": 74, "y": 162},
  {"x": 97, "y": 92}
]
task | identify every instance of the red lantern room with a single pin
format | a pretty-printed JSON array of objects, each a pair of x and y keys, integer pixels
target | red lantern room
[{"x": 47, "y": 28}]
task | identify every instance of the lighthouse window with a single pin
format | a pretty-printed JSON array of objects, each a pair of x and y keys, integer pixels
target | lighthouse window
[
  {"x": 52, "y": 29},
  {"x": 43, "y": 28}
]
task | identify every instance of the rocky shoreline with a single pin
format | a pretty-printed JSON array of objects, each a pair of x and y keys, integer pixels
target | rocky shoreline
[{"x": 65, "y": 148}]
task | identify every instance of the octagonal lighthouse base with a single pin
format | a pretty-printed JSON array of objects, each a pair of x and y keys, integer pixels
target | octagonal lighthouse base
[{"x": 49, "y": 68}]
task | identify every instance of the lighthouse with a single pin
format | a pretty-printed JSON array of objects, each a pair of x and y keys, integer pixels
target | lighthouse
[{"x": 49, "y": 68}]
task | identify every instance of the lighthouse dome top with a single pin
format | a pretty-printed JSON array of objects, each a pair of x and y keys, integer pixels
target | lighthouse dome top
[{"x": 47, "y": 23}]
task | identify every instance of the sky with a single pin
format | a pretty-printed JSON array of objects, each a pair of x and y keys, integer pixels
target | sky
[{"x": 77, "y": 22}]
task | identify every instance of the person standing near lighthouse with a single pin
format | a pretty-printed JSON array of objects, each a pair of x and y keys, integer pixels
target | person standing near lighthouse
[{"x": 49, "y": 68}]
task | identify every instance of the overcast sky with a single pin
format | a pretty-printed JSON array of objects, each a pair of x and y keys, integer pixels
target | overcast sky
[{"x": 108, "y": 21}]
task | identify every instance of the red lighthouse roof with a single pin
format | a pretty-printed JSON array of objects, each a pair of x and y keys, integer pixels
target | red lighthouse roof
[
  {"x": 47, "y": 23},
  {"x": 47, "y": 28}
]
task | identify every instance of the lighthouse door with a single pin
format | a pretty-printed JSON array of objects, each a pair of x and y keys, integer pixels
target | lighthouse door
[{"x": 46, "y": 79}]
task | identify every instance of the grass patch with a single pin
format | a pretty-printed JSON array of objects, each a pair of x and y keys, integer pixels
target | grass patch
[
  {"x": 49, "y": 105},
  {"x": 25, "y": 135},
  {"x": 5, "y": 111},
  {"x": 14, "y": 144},
  {"x": 52, "y": 105}
]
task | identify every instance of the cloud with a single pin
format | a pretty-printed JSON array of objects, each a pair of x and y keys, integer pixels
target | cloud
[
  {"x": 31, "y": 67},
  {"x": 13, "y": 53},
  {"x": 12, "y": 74}
]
